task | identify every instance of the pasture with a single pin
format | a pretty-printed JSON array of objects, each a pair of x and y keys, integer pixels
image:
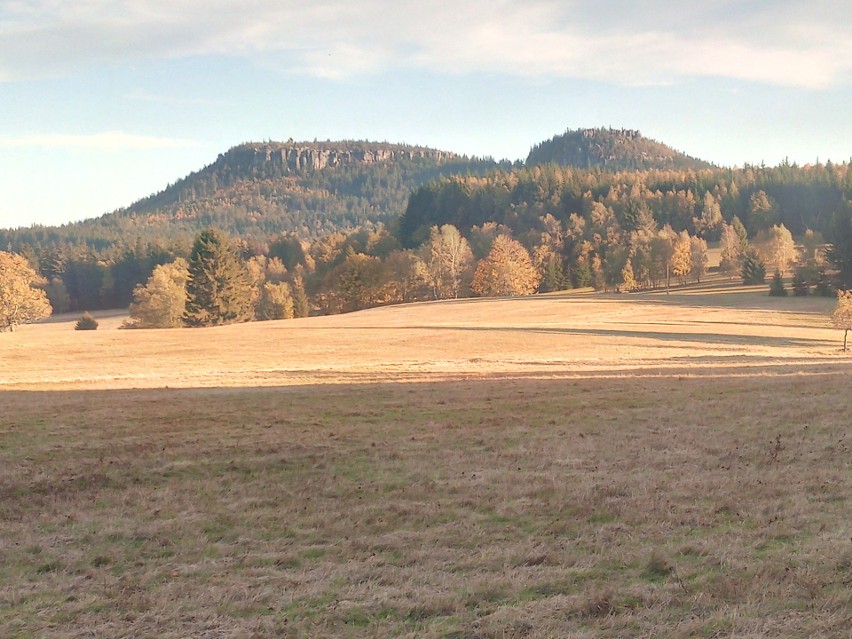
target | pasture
[{"x": 568, "y": 465}]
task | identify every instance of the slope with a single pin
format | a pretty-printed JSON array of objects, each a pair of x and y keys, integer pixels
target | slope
[{"x": 612, "y": 149}]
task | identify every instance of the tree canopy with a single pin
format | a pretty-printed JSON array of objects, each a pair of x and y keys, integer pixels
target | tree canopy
[
  {"x": 219, "y": 289},
  {"x": 21, "y": 299},
  {"x": 161, "y": 302},
  {"x": 507, "y": 271}
]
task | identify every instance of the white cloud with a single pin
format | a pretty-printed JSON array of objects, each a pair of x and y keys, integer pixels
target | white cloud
[
  {"x": 781, "y": 42},
  {"x": 109, "y": 141}
]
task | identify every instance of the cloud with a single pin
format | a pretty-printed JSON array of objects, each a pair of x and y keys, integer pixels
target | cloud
[
  {"x": 780, "y": 42},
  {"x": 107, "y": 141}
]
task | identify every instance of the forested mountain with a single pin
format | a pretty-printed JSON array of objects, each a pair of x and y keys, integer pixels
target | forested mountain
[
  {"x": 310, "y": 189},
  {"x": 611, "y": 149},
  {"x": 801, "y": 198},
  {"x": 354, "y": 224}
]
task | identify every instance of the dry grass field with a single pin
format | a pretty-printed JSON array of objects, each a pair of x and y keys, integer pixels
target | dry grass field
[{"x": 570, "y": 465}]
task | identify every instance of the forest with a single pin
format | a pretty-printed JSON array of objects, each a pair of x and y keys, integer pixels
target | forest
[{"x": 358, "y": 226}]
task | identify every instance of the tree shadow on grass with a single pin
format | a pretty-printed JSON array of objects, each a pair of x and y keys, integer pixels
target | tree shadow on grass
[{"x": 663, "y": 336}]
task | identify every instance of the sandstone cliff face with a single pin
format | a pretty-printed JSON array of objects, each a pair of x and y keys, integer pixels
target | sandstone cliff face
[{"x": 299, "y": 159}]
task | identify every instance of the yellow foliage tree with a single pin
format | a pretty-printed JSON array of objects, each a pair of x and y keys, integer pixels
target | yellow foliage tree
[
  {"x": 842, "y": 316},
  {"x": 161, "y": 302},
  {"x": 681, "y": 261},
  {"x": 21, "y": 299},
  {"x": 507, "y": 271}
]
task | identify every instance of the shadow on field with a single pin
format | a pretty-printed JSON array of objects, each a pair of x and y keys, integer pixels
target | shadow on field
[{"x": 663, "y": 336}]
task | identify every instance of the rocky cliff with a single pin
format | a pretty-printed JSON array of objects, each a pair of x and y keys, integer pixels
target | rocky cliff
[{"x": 299, "y": 158}]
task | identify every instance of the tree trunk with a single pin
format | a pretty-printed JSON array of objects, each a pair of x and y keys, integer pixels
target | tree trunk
[{"x": 845, "y": 335}]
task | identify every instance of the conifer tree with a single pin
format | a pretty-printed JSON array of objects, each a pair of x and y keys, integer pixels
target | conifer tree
[
  {"x": 776, "y": 288},
  {"x": 840, "y": 252},
  {"x": 800, "y": 283},
  {"x": 753, "y": 268},
  {"x": 301, "y": 306},
  {"x": 219, "y": 289}
]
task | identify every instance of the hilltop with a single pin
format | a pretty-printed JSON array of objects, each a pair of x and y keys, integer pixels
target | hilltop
[
  {"x": 308, "y": 188},
  {"x": 611, "y": 149}
]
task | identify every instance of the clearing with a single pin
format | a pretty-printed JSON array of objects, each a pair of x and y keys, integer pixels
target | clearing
[{"x": 570, "y": 465}]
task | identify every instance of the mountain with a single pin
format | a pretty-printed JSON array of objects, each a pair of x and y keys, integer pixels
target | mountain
[
  {"x": 611, "y": 149},
  {"x": 309, "y": 188}
]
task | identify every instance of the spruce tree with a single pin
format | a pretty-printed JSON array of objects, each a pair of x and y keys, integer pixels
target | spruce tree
[
  {"x": 753, "y": 268},
  {"x": 800, "y": 283},
  {"x": 776, "y": 288},
  {"x": 219, "y": 289}
]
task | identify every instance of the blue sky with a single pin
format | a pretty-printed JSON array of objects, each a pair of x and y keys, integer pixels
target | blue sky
[{"x": 103, "y": 102}]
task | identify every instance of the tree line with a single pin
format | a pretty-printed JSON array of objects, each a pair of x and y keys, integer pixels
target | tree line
[{"x": 612, "y": 231}]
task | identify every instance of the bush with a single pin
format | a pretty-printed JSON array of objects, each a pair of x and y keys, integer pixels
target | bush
[
  {"x": 776, "y": 288},
  {"x": 86, "y": 323}
]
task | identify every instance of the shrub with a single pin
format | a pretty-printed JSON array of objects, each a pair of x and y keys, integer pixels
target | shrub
[{"x": 86, "y": 323}]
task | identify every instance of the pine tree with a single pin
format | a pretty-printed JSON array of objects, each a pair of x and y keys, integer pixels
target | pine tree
[
  {"x": 840, "y": 252},
  {"x": 301, "y": 306},
  {"x": 219, "y": 289},
  {"x": 776, "y": 288},
  {"x": 753, "y": 268},
  {"x": 823, "y": 286},
  {"x": 800, "y": 283}
]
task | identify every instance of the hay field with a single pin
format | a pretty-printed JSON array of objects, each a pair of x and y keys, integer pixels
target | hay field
[{"x": 569, "y": 465}]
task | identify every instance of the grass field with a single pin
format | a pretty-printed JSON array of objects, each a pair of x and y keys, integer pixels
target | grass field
[{"x": 568, "y": 465}]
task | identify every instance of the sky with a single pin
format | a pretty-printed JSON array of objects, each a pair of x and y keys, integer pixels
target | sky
[{"x": 103, "y": 102}]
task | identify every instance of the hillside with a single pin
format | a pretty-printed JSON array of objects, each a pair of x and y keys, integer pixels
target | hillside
[
  {"x": 309, "y": 188},
  {"x": 611, "y": 149}
]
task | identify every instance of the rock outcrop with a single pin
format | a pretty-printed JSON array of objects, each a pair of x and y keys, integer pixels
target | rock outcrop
[{"x": 300, "y": 158}]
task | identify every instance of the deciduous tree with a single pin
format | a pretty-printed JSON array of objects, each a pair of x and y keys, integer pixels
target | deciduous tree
[
  {"x": 275, "y": 301},
  {"x": 731, "y": 251},
  {"x": 507, "y": 271},
  {"x": 21, "y": 299},
  {"x": 161, "y": 302},
  {"x": 776, "y": 247},
  {"x": 711, "y": 217},
  {"x": 448, "y": 260},
  {"x": 842, "y": 316},
  {"x": 698, "y": 257},
  {"x": 681, "y": 262}
]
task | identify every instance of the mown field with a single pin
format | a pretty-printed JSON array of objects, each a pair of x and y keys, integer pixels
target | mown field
[{"x": 560, "y": 466}]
